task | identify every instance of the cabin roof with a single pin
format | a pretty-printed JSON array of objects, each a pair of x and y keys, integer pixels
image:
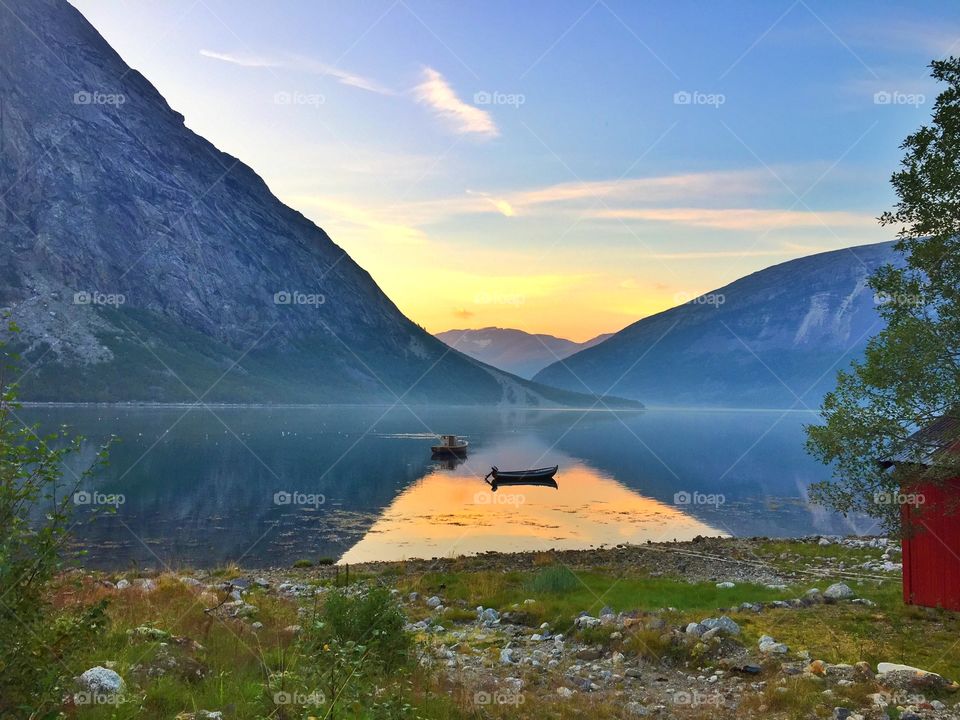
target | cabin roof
[{"x": 930, "y": 442}]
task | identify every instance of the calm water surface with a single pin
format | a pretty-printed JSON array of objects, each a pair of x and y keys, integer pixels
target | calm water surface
[{"x": 267, "y": 486}]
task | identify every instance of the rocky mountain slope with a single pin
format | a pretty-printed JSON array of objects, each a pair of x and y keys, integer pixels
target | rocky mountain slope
[
  {"x": 144, "y": 264},
  {"x": 515, "y": 351},
  {"x": 772, "y": 339}
]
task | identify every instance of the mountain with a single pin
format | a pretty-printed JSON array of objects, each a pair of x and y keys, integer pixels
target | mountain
[
  {"x": 772, "y": 339},
  {"x": 144, "y": 264},
  {"x": 515, "y": 351}
]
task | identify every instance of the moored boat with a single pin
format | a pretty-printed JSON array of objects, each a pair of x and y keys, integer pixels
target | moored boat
[
  {"x": 505, "y": 477},
  {"x": 450, "y": 445}
]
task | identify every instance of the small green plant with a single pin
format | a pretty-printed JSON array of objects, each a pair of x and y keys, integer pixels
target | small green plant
[
  {"x": 303, "y": 563},
  {"x": 554, "y": 580}
]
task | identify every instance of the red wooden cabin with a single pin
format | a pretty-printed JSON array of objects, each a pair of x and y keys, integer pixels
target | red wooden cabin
[{"x": 931, "y": 523}]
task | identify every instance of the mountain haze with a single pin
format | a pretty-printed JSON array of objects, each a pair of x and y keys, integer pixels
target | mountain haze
[
  {"x": 515, "y": 351},
  {"x": 774, "y": 338},
  {"x": 142, "y": 263}
]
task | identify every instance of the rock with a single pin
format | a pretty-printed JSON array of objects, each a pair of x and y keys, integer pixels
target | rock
[
  {"x": 726, "y": 585},
  {"x": 257, "y": 626},
  {"x": 695, "y": 629},
  {"x": 633, "y": 673},
  {"x": 768, "y": 645},
  {"x": 123, "y": 584},
  {"x": 565, "y": 692},
  {"x": 838, "y": 591},
  {"x": 585, "y": 621},
  {"x": 817, "y": 667},
  {"x": 434, "y": 602},
  {"x": 726, "y": 625},
  {"x": 262, "y": 583},
  {"x": 101, "y": 681},
  {"x": 635, "y": 708},
  {"x": 606, "y": 611},
  {"x": 149, "y": 633},
  {"x": 590, "y": 654},
  {"x": 862, "y": 672},
  {"x": 293, "y": 630},
  {"x": 145, "y": 585},
  {"x": 824, "y": 542},
  {"x": 190, "y": 582},
  {"x": 710, "y": 634},
  {"x": 841, "y": 713},
  {"x": 885, "y": 667},
  {"x": 509, "y": 656},
  {"x": 488, "y": 616},
  {"x": 413, "y": 597}
]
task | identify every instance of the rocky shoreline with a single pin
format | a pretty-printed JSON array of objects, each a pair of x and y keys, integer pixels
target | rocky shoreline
[{"x": 657, "y": 662}]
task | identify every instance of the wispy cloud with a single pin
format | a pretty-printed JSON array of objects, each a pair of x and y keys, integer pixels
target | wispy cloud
[
  {"x": 465, "y": 119},
  {"x": 300, "y": 64},
  {"x": 741, "y": 218}
]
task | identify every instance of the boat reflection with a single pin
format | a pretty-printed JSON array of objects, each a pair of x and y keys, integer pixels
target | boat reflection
[{"x": 446, "y": 515}]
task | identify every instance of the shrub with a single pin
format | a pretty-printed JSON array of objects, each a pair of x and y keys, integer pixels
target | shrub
[
  {"x": 36, "y": 641},
  {"x": 554, "y": 581}
]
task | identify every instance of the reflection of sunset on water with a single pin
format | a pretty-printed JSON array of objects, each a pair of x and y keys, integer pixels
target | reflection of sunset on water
[{"x": 447, "y": 514}]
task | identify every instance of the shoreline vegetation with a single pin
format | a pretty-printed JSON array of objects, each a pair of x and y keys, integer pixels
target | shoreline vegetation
[{"x": 712, "y": 628}]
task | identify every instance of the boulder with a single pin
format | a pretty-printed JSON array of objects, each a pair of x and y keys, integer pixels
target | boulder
[
  {"x": 101, "y": 681},
  {"x": 838, "y": 591}
]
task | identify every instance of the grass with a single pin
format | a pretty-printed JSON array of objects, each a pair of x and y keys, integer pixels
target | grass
[{"x": 561, "y": 595}]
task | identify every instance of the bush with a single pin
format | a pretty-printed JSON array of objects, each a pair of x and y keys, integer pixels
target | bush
[
  {"x": 371, "y": 621},
  {"x": 36, "y": 642}
]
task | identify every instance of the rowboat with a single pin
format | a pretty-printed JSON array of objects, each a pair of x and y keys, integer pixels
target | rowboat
[
  {"x": 450, "y": 445},
  {"x": 518, "y": 477}
]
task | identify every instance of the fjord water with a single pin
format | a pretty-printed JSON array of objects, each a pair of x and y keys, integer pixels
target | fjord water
[{"x": 267, "y": 486}]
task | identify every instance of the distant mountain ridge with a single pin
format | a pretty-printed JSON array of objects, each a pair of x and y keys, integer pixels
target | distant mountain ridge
[
  {"x": 775, "y": 338},
  {"x": 143, "y": 264},
  {"x": 515, "y": 351}
]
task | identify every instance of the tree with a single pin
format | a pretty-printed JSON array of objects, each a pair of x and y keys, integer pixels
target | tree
[
  {"x": 910, "y": 374},
  {"x": 36, "y": 640}
]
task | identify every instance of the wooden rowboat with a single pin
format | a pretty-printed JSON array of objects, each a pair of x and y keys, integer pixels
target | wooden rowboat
[{"x": 519, "y": 477}]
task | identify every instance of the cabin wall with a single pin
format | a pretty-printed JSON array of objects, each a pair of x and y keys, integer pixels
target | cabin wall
[{"x": 931, "y": 547}]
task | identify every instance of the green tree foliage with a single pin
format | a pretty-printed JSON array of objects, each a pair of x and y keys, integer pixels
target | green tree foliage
[
  {"x": 910, "y": 374},
  {"x": 37, "y": 641}
]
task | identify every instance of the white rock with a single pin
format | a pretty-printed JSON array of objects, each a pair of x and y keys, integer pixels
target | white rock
[
  {"x": 101, "y": 681},
  {"x": 123, "y": 584},
  {"x": 585, "y": 621},
  {"x": 726, "y": 585},
  {"x": 839, "y": 591},
  {"x": 434, "y": 602},
  {"x": 565, "y": 692},
  {"x": 885, "y": 667}
]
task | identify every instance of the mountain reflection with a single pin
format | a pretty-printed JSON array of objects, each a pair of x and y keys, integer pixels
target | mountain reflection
[{"x": 201, "y": 485}]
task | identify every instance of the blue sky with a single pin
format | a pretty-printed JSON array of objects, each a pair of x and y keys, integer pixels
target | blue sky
[{"x": 562, "y": 167}]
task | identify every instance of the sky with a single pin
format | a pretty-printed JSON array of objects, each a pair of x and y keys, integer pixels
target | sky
[{"x": 558, "y": 166}]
